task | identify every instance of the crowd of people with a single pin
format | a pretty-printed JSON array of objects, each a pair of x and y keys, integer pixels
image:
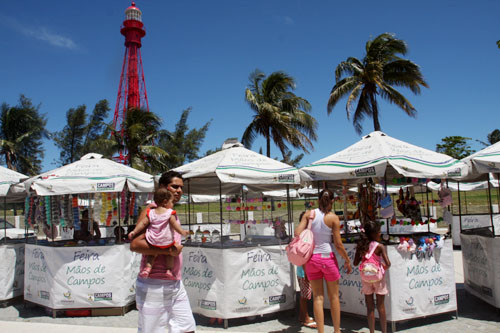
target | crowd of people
[{"x": 162, "y": 300}]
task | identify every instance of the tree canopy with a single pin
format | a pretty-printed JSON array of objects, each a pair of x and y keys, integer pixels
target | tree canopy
[
  {"x": 279, "y": 114},
  {"x": 182, "y": 144},
  {"x": 375, "y": 75},
  {"x": 22, "y": 129},
  {"x": 455, "y": 146}
]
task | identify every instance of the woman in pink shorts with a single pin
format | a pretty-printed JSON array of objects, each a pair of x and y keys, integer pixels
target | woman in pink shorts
[{"x": 323, "y": 264}]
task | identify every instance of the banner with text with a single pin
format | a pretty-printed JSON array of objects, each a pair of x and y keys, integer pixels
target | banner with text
[
  {"x": 418, "y": 285},
  {"x": 80, "y": 277},
  {"x": 11, "y": 271},
  {"x": 473, "y": 222},
  {"x": 238, "y": 282},
  {"x": 481, "y": 267}
]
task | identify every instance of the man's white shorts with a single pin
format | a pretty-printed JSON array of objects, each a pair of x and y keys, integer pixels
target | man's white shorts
[{"x": 163, "y": 304}]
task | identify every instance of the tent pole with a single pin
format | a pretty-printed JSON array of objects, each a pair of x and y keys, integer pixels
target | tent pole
[
  {"x": 220, "y": 209},
  {"x": 118, "y": 197},
  {"x": 387, "y": 221},
  {"x": 465, "y": 199},
  {"x": 498, "y": 190},
  {"x": 189, "y": 204},
  {"x": 490, "y": 207},
  {"x": 428, "y": 211},
  {"x": 290, "y": 217},
  {"x": 5, "y": 219},
  {"x": 459, "y": 206}
]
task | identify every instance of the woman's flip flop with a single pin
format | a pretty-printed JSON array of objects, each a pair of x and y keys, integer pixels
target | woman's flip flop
[{"x": 311, "y": 324}]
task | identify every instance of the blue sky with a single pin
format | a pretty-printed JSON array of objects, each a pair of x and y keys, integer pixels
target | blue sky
[{"x": 199, "y": 53}]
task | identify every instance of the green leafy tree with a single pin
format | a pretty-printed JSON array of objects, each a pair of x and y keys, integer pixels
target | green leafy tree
[
  {"x": 183, "y": 145},
  {"x": 492, "y": 138},
  {"x": 293, "y": 161},
  {"x": 72, "y": 137},
  {"x": 279, "y": 114},
  {"x": 81, "y": 132},
  {"x": 22, "y": 129},
  {"x": 140, "y": 130},
  {"x": 96, "y": 127},
  {"x": 376, "y": 74},
  {"x": 498, "y": 44},
  {"x": 455, "y": 146}
]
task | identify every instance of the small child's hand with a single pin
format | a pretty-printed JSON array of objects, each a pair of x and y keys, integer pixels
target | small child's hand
[
  {"x": 185, "y": 233},
  {"x": 131, "y": 235}
]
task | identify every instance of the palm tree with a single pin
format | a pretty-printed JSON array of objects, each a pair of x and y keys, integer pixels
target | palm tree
[
  {"x": 140, "y": 130},
  {"x": 280, "y": 115},
  {"x": 380, "y": 70},
  {"x": 21, "y": 131}
]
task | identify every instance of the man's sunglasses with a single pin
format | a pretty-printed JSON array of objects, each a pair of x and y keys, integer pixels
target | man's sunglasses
[{"x": 175, "y": 187}]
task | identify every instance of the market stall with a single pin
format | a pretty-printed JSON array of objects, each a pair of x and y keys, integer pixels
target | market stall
[
  {"x": 11, "y": 241},
  {"x": 470, "y": 219},
  {"x": 481, "y": 242},
  {"x": 230, "y": 277},
  {"x": 83, "y": 273},
  {"x": 422, "y": 272}
]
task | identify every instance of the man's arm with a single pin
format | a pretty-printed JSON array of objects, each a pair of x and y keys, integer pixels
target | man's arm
[{"x": 140, "y": 245}]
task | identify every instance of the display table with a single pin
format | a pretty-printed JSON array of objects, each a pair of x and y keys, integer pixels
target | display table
[
  {"x": 418, "y": 287},
  {"x": 473, "y": 221},
  {"x": 11, "y": 270},
  {"x": 482, "y": 267},
  {"x": 80, "y": 277},
  {"x": 238, "y": 282}
]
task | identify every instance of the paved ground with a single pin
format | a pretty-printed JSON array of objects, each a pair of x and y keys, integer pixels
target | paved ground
[{"x": 474, "y": 316}]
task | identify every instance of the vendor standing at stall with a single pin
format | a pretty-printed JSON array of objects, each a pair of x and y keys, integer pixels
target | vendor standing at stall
[
  {"x": 161, "y": 299},
  {"x": 87, "y": 231}
]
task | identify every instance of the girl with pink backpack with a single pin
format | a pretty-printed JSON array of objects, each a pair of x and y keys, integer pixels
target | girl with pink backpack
[{"x": 374, "y": 262}]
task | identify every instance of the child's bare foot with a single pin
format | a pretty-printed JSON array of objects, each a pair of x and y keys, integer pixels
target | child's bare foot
[
  {"x": 169, "y": 274},
  {"x": 145, "y": 272}
]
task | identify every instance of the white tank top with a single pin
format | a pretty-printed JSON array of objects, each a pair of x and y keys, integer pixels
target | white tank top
[{"x": 322, "y": 233}]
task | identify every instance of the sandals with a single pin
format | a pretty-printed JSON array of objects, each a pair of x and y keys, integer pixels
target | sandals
[
  {"x": 145, "y": 272},
  {"x": 310, "y": 324}
]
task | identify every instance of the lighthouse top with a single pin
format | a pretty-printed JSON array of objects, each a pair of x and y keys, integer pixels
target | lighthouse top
[{"x": 133, "y": 13}]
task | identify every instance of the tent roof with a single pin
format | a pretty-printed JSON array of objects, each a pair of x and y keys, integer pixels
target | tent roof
[
  {"x": 483, "y": 162},
  {"x": 233, "y": 167},
  {"x": 91, "y": 174},
  {"x": 378, "y": 154},
  {"x": 8, "y": 178}
]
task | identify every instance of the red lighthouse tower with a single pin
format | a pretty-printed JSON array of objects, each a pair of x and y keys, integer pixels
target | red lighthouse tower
[{"x": 132, "y": 88}]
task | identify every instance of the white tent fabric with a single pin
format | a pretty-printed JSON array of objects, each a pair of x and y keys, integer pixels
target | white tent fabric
[
  {"x": 378, "y": 154},
  {"x": 91, "y": 174},
  {"x": 482, "y": 162},
  {"x": 472, "y": 186},
  {"x": 8, "y": 178},
  {"x": 233, "y": 167}
]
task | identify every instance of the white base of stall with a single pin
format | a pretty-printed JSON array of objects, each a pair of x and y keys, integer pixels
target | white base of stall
[
  {"x": 80, "y": 277},
  {"x": 238, "y": 282},
  {"x": 482, "y": 267},
  {"x": 418, "y": 287},
  {"x": 11, "y": 271},
  {"x": 473, "y": 222}
]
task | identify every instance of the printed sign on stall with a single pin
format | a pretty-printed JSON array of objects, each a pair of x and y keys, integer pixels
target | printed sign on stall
[
  {"x": 237, "y": 282},
  {"x": 11, "y": 271},
  {"x": 80, "y": 277}
]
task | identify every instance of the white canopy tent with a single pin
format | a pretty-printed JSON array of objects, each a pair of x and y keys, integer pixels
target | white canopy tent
[
  {"x": 91, "y": 174},
  {"x": 481, "y": 163},
  {"x": 234, "y": 166},
  {"x": 379, "y": 155},
  {"x": 9, "y": 180}
]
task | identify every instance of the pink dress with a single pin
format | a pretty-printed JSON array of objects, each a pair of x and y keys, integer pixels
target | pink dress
[{"x": 159, "y": 232}]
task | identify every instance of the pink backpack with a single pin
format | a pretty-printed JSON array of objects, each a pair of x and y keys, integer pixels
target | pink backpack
[
  {"x": 371, "y": 269},
  {"x": 300, "y": 249}
]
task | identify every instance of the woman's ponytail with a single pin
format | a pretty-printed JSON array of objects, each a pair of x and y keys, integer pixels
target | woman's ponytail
[{"x": 325, "y": 198}]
